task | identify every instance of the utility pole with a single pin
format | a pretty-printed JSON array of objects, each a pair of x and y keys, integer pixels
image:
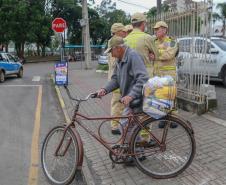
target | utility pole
[
  {"x": 85, "y": 35},
  {"x": 159, "y": 2}
]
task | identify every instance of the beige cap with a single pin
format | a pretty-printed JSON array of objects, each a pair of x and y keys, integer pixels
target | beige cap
[
  {"x": 129, "y": 27},
  {"x": 115, "y": 41},
  {"x": 138, "y": 17},
  {"x": 160, "y": 24},
  {"x": 117, "y": 27}
]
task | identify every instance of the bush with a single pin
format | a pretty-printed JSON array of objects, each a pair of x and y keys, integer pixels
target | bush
[{"x": 103, "y": 67}]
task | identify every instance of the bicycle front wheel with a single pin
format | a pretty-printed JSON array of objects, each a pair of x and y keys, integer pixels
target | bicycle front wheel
[
  {"x": 60, "y": 167},
  {"x": 175, "y": 153}
]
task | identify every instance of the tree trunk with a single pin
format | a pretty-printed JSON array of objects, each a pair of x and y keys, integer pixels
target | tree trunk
[
  {"x": 43, "y": 51},
  {"x": 38, "y": 49}
]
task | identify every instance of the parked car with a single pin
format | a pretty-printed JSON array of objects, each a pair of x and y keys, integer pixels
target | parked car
[
  {"x": 103, "y": 59},
  {"x": 213, "y": 62},
  {"x": 9, "y": 65}
]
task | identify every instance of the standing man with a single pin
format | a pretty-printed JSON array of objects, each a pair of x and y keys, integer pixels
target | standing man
[
  {"x": 117, "y": 29},
  {"x": 142, "y": 42},
  {"x": 165, "y": 63},
  {"x": 129, "y": 75},
  {"x": 129, "y": 29}
]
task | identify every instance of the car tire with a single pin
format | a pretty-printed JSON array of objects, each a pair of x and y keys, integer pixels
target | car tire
[
  {"x": 20, "y": 73},
  {"x": 224, "y": 78},
  {"x": 2, "y": 76}
]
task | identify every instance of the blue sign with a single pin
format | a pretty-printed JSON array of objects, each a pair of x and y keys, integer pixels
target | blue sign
[{"x": 61, "y": 73}]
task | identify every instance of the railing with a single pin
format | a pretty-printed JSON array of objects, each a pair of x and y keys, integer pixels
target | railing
[{"x": 191, "y": 25}]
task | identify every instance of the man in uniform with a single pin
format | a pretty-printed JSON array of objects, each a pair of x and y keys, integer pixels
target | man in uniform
[
  {"x": 117, "y": 29},
  {"x": 129, "y": 29},
  {"x": 142, "y": 42},
  {"x": 165, "y": 63}
]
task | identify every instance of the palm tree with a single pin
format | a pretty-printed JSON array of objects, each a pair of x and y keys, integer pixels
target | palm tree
[{"x": 222, "y": 16}]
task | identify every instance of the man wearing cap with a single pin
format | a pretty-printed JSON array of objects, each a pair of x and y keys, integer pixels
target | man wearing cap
[
  {"x": 129, "y": 75},
  {"x": 117, "y": 29},
  {"x": 129, "y": 29},
  {"x": 165, "y": 63},
  {"x": 142, "y": 42}
]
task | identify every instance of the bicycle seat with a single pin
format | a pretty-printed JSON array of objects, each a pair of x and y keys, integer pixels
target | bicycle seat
[{"x": 136, "y": 103}]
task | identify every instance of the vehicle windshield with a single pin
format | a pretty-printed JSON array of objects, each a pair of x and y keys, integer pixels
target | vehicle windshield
[{"x": 221, "y": 43}]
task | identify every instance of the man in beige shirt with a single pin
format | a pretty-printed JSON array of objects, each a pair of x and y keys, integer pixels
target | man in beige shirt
[
  {"x": 165, "y": 63},
  {"x": 117, "y": 29},
  {"x": 142, "y": 42}
]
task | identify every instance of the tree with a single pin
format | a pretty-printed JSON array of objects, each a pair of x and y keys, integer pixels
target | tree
[{"x": 222, "y": 15}]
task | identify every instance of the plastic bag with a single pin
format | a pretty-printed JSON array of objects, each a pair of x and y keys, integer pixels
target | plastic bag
[{"x": 159, "y": 95}]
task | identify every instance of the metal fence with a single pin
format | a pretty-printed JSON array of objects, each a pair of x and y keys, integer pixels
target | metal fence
[{"x": 190, "y": 23}]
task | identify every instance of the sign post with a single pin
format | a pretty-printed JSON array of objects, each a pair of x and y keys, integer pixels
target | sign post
[{"x": 61, "y": 68}]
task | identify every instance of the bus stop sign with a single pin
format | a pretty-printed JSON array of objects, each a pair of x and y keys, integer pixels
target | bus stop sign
[{"x": 59, "y": 25}]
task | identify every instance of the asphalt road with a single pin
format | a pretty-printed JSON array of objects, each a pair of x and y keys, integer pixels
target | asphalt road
[{"x": 29, "y": 109}]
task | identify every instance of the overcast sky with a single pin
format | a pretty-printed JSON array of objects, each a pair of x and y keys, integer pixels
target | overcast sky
[{"x": 132, "y": 6}]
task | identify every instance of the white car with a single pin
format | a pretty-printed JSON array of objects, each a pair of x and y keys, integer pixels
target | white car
[
  {"x": 213, "y": 62},
  {"x": 103, "y": 59}
]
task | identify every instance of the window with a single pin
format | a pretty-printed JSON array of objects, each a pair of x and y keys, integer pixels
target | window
[
  {"x": 184, "y": 45},
  {"x": 11, "y": 58},
  {"x": 202, "y": 46},
  {"x": 221, "y": 43}
]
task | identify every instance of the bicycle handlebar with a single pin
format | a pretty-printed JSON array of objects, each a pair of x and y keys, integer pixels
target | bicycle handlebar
[{"x": 91, "y": 95}]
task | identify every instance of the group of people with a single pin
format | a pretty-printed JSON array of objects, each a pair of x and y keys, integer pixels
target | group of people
[{"x": 134, "y": 57}]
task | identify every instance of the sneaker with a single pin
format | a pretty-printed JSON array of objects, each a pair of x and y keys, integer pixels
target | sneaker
[
  {"x": 162, "y": 124},
  {"x": 172, "y": 125},
  {"x": 129, "y": 161},
  {"x": 142, "y": 158},
  {"x": 115, "y": 132}
]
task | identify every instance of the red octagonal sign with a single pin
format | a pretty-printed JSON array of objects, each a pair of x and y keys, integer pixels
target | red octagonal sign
[{"x": 59, "y": 25}]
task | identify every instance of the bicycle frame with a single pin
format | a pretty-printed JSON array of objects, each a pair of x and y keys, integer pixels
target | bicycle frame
[{"x": 132, "y": 118}]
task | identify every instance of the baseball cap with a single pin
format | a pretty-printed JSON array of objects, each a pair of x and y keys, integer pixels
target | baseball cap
[
  {"x": 128, "y": 27},
  {"x": 117, "y": 27},
  {"x": 115, "y": 41},
  {"x": 138, "y": 17},
  {"x": 160, "y": 24}
]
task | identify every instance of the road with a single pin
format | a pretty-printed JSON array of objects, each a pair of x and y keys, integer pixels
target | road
[{"x": 29, "y": 109}]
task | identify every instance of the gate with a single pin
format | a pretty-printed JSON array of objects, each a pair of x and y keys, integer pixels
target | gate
[{"x": 190, "y": 23}]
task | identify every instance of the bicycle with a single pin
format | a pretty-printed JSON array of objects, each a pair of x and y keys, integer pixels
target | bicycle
[{"x": 173, "y": 151}]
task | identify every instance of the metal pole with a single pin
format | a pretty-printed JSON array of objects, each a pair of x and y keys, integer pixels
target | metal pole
[{"x": 86, "y": 35}]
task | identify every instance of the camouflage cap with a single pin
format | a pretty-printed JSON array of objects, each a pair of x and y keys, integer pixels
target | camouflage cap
[
  {"x": 160, "y": 24},
  {"x": 117, "y": 27},
  {"x": 115, "y": 41},
  {"x": 138, "y": 17},
  {"x": 129, "y": 27}
]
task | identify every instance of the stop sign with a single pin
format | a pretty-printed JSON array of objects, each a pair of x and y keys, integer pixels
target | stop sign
[{"x": 59, "y": 25}]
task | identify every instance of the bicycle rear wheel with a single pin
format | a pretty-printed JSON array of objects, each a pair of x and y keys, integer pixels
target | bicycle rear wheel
[
  {"x": 176, "y": 154},
  {"x": 61, "y": 168}
]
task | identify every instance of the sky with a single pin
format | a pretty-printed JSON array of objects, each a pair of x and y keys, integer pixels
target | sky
[{"x": 132, "y": 6}]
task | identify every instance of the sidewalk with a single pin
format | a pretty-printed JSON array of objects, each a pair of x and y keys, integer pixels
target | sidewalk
[{"x": 208, "y": 167}]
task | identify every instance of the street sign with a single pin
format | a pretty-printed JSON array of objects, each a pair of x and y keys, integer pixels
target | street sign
[
  {"x": 59, "y": 25},
  {"x": 61, "y": 73}
]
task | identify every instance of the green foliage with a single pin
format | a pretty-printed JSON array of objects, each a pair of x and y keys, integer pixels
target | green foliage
[
  {"x": 222, "y": 15},
  {"x": 24, "y": 21},
  {"x": 103, "y": 67}
]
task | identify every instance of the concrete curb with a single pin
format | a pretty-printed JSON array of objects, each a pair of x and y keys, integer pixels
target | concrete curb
[
  {"x": 214, "y": 119},
  {"x": 85, "y": 170}
]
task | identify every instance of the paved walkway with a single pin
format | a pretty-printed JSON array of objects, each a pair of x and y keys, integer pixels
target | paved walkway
[{"x": 208, "y": 167}]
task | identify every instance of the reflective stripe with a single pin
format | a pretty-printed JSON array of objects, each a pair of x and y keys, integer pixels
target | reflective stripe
[
  {"x": 166, "y": 68},
  {"x": 116, "y": 91}
]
